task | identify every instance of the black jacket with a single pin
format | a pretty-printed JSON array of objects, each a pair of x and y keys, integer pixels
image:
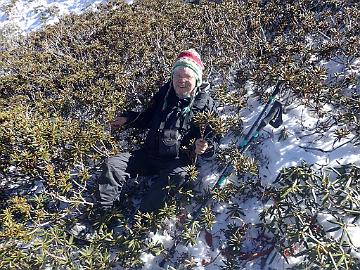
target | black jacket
[{"x": 167, "y": 111}]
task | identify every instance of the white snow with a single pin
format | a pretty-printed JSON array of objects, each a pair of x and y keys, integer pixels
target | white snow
[{"x": 30, "y": 15}]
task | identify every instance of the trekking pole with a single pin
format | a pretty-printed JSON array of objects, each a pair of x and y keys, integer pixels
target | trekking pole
[
  {"x": 270, "y": 100},
  {"x": 251, "y": 135},
  {"x": 270, "y": 118}
]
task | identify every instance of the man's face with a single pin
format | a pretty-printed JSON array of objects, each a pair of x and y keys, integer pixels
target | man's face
[{"x": 184, "y": 81}]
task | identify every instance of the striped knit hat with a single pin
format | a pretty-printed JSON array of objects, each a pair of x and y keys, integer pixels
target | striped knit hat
[{"x": 191, "y": 59}]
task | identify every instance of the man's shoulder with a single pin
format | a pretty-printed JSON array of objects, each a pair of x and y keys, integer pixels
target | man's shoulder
[
  {"x": 162, "y": 90},
  {"x": 203, "y": 91},
  {"x": 165, "y": 87},
  {"x": 204, "y": 87},
  {"x": 203, "y": 97}
]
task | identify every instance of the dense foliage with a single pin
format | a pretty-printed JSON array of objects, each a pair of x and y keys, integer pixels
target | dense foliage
[
  {"x": 61, "y": 86},
  {"x": 312, "y": 215}
]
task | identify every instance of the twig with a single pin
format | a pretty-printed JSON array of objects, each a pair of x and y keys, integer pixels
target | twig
[
  {"x": 327, "y": 151},
  {"x": 54, "y": 256},
  {"x": 249, "y": 256},
  {"x": 63, "y": 199},
  {"x": 45, "y": 224},
  {"x": 99, "y": 151},
  {"x": 213, "y": 259}
]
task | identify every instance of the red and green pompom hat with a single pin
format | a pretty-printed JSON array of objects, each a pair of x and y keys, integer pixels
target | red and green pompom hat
[{"x": 190, "y": 59}]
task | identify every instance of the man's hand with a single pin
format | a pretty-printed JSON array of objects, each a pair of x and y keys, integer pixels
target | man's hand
[
  {"x": 118, "y": 122},
  {"x": 200, "y": 146}
]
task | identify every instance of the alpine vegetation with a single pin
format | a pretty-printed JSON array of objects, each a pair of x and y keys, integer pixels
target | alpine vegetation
[{"x": 291, "y": 65}]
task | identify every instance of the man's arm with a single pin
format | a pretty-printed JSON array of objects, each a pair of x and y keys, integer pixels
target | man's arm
[{"x": 142, "y": 119}]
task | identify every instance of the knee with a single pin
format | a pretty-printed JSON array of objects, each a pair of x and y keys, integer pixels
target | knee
[
  {"x": 177, "y": 177},
  {"x": 116, "y": 163},
  {"x": 114, "y": 170},
  {"x": 113, "y": 161}
]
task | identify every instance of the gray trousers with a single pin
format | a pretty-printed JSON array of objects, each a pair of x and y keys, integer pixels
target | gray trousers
[{"x": 118, "y": 169}]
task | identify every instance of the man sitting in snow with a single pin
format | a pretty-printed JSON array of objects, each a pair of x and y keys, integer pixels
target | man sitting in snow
[{"x": 169, "y": 120}]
